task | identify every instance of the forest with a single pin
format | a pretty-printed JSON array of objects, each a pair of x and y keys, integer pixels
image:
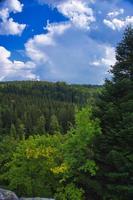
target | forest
[
  {"x": 32, "y": 107},
  {"x": 68, "y": 141}
]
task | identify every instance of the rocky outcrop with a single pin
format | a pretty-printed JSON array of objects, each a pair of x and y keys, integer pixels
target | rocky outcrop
[
  {"x": 7, "y": 195},
  {"x": 35, "y": 199}
]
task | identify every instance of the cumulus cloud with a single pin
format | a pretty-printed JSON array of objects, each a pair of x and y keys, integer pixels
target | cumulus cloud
[
  {"x": 56, "y": 2},
  {"x": 14, "y": 69},
  {"x": 114, "y": 24},
  {"x": 61, "y": 55},
  {"x": 4, "y": 14},
  {"x": 108, "y": 59},
  {"x": 34, "y": 47},
  {"x": 13, "y": 5},
  {"x": 116, "y": 13},
  {"x": 117, "y": 23},
  {"x": 78, "y": 12},
  {"x": 7, "y": 25}
]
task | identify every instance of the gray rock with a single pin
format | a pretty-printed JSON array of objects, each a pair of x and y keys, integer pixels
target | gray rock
[
  {"x": 7, "y": 195},
  {"x": 37, "y": 198}
]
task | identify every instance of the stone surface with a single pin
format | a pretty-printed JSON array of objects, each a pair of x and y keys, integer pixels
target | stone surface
[
  {"x": 37, "y": 198},
  {"x": 7, "y": 195}
]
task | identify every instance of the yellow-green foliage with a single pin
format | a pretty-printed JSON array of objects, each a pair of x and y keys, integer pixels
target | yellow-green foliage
[
  {"x": 33, "y": 167},
  {"x": 43, "y": 165},
  {"x": 70, "y": 192},
  {"x": 60, "y": 169}
]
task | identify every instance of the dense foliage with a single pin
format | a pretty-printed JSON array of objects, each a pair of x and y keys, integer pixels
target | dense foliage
[
  {"x": 93, "y": 160},
  {"x": 114, "y": 151},
  {"x": 32, "y": 107},
  {"x": 48, "y": 165}
]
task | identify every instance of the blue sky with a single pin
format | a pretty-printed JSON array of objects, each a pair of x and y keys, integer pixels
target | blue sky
[{"x": 61, "y": 40}]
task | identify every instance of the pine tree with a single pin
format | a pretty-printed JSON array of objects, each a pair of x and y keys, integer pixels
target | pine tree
[
  {"x": 20, "y": 129},
  {"x": 0, "y": 123},
  {"x": 40, "y": 126},
  {"x": 54, "y": 125},
  {"x": 13, "y": 131},
  {"x": 115, "y": 109}
]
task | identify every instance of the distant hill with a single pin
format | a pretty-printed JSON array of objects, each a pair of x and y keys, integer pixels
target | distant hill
[{"x": 32, "y": 105}]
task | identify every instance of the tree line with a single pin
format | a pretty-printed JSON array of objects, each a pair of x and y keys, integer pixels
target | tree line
[{"x": 32, "y": 107}]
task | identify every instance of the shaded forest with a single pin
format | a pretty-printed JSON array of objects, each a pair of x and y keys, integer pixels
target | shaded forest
[{"x": 32, "y": 106}]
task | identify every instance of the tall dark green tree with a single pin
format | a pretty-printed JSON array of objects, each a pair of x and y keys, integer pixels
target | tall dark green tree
[
  {"x": 13, "y": 131},
  {"x": 115, "y": 109},
  {"x": 20, "y": 129},
  {"x": 54, "y": 125},
  {"x": 40, "y": 126},
  {"x": 0, "y": 123}
]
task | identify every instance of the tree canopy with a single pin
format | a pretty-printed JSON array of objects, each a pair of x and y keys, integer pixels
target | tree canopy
[{"x": 115, "y": 110}]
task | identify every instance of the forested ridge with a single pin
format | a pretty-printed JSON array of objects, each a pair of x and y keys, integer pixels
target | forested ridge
[
  {"x": 70, "y": 142},
  {"x": 33, "y": 105}
]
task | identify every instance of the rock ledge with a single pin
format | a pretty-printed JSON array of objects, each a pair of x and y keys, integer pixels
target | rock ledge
[{"x": 9, "y": 195}]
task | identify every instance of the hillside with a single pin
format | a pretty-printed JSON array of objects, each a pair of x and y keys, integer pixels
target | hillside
[{"x": 32, "y": 106}]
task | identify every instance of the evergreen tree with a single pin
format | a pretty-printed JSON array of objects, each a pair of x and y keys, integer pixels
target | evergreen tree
[
  {"x": 20, "y": 129},
  {"x": 54, "y": 125},
  {"x": 40, "y": 126},
  {"x": 7, "y": 148},
  {"x": 0, "y": 123},
  {"x": 28, "y": 100},
  {"x": 13, "y": 131},
  {"x": 115, "y": 110}
]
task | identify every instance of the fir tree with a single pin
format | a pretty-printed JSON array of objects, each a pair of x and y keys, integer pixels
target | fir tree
[
  {"x": 114, "y": 146},
  {"x": 54, "y": 125},
  {"x": 40, "y": 126},
  {"x": 13, "y": 131}
]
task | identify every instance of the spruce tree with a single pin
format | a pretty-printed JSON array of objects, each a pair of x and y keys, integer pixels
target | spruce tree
[
  {"x": 20, "y": 129},
  {"x": 54, "y": 125},
  {"x": 13, "y": 131},
  {"x": 0, "y": 123},
  {"x": 40, "y": 126},
  {"x": 113, "y": 149}
]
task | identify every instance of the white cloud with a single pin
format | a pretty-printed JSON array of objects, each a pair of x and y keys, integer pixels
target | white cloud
[
  {"x": 115, "y": 13},
  {"x": 108, "y": 59},
  {"x": 4, "y": 14},
  {"x": 13, "y": 5},
  {"x": 7, "y": 25},
  {"x": 61, "y": 55},
  {"x": 117, "y": 23},
  {"x": 34, "y": 47},
  {"x": 109, "y": 56},
  {"x": 14, "y": 69},
  {"x": 129, "y": 20},
  {"x": 77, "y": 11},
  {"x": 55, "y": 2},
  {"x": 57, "y": 28}
]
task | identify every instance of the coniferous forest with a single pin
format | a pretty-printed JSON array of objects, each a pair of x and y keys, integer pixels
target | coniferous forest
[{"x": 70, "y": 142}]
